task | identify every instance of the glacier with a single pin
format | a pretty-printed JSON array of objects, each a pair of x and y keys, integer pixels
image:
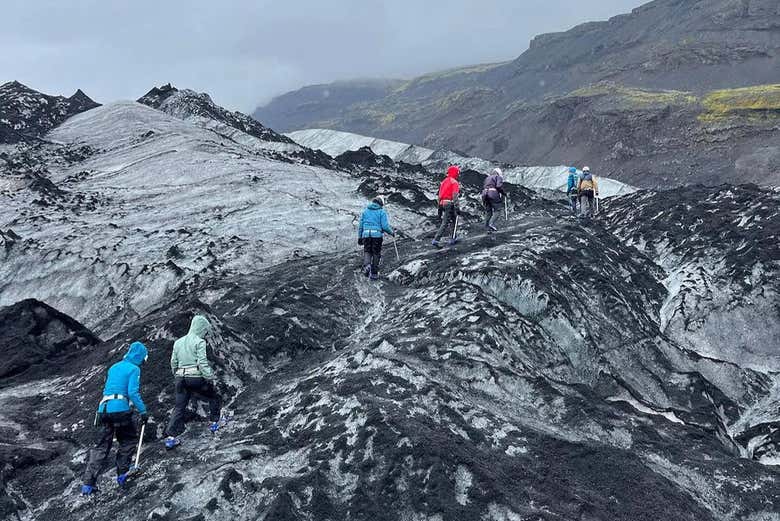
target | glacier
[
  {"x": 623, "y": 368},
  {"x": 335, "y": 142}
]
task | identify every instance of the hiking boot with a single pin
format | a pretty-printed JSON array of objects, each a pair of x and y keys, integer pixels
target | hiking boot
[
  {"x": 121, "y": 479},
  {"x": 374, "y": 276},
  {"x": 87, "y": 490},
  {"x": 435, "y": 243},
  {"x": 452, "y": 242},
  {"x": 492, "y": 228},
  {"x": 171, "y": 442}
]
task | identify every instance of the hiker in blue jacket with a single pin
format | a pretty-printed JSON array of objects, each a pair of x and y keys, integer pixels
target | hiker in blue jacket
[
  {"x": 121, "y": 393},
  {"x": 572, "y": 189},
  {"x": 373, "y": 224}
]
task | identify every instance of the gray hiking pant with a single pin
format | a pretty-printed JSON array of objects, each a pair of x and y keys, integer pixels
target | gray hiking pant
[
  {"x": 573, "y": 202},
  {"x": 587, "y": 203},
  {"x": 187, "y": 388},
  {"x": 119, "y": 424},
  {"x": 493, "y": 209},
  {"x": 449, "y": 211}
]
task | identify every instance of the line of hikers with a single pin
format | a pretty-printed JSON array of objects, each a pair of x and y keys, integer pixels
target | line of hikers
[
  {"x": 582, "y": 190},
  {"x": 193, "y": 377}
]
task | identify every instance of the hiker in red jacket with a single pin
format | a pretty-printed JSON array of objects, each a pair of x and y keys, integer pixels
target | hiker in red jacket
[{"x": 448, "y": 205}]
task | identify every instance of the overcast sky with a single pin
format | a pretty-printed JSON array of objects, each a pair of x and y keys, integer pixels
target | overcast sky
[{"x": 243, "y": 52}]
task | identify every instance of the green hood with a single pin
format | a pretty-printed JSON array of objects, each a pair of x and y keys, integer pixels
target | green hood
[{"x": 199, "y": 326}]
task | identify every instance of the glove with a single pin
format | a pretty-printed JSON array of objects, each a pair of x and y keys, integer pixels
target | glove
[
  {"x": 144, "y": 419},
  {"x": 360, "y": 241}
]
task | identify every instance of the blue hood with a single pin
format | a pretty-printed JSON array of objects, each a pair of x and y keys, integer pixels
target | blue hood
[
  {"x": 136, "y": 354},
  {"x": 374, "y": 206}
]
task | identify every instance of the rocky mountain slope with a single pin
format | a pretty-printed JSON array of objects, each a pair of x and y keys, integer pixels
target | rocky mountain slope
[
  {"x": 554, "y": 370},
  {"x": 28, "y": 114},
  {"x": 676, "y": 92},
  {"x": 188, "y": 104}
]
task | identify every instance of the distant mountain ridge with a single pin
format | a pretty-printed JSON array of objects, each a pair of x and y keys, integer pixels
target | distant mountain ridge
[
  {"x": 676, "y": 92},
  {"x": 187, "y": 103},
  {"x": 28, "y": 114}
]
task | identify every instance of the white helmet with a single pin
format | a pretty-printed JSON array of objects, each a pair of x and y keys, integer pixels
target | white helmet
[
  {"x": 586, "y": 169},
  {"x": 498, "y": 171}
]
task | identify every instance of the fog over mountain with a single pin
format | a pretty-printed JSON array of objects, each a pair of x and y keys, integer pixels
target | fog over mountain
[{"x": 246, "y": 52}]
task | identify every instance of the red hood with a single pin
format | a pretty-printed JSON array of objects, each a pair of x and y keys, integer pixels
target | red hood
[{"x": 453, "y": 172}]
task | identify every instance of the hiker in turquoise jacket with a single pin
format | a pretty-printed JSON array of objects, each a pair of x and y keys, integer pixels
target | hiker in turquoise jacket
[
  {"x": 572, "y": 189},
  {"x": 193, "y": 377},
  {"x": 121, "y": 392}
]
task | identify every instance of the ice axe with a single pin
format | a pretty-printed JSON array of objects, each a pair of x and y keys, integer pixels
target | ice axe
[{"x": 136, "y": 468}]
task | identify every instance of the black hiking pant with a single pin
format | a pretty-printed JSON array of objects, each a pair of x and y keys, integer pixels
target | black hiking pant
[
  {"x": 372, "y": 254},
  {"x": 449, "y": 214},
  {"x": 119, "y": 424},
  {"x": 573, "y": 197},
  {"x": 493, "y": 210},
  {"x": 188, "y": 387}
]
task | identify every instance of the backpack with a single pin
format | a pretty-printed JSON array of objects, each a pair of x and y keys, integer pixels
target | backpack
[{"x": 586, "y": 183}]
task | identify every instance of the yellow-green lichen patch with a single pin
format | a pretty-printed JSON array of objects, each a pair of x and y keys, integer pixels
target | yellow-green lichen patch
[
  {"x": 758, "y": 101},
  {"x": 636, "y": 97}
]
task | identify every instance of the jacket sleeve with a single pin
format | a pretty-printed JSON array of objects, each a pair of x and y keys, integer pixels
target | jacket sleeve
[
  {"x": 134, "y": 390},
  {"x": 570, "y": 182},
  {"x": 385, "y": 224},
  {"x": 360, "y": 226},
  {"x": 174, "y": 361},
  {"x": 202, "y": 361},
  {"x": 500, "y": 185},
  {"x": 579, "y": 185}
]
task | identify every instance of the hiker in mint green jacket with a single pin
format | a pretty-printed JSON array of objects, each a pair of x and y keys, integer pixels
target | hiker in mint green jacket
[{"x": 194, "y": 378}]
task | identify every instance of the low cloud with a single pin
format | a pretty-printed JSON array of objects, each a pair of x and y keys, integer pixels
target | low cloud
[{"x": 244, "y": 52}]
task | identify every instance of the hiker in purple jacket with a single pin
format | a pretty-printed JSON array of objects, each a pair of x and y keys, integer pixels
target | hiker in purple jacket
[{"x": 492, "y": 197}]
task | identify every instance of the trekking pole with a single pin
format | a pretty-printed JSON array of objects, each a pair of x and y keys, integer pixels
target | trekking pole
[
  {"x": 136, "y": 466},
  {"x": 455, "y": 230},
  {"x": 397, "y": 257},
  {"x": 506, "y": 207}
]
